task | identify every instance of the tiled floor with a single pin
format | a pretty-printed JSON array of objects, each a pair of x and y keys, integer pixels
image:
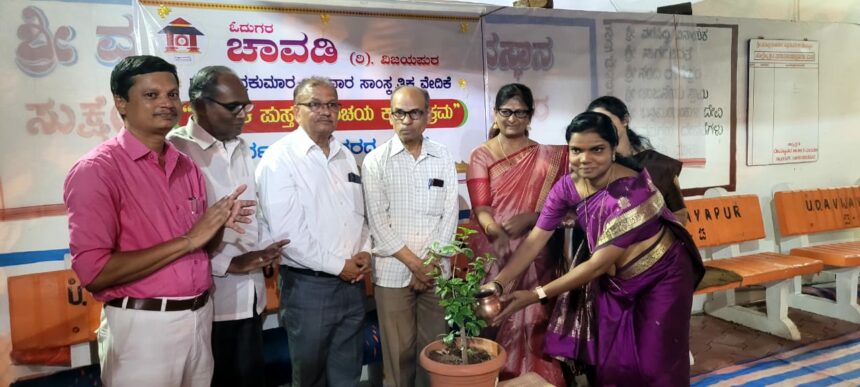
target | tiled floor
[{"x": 716, "y": 343}]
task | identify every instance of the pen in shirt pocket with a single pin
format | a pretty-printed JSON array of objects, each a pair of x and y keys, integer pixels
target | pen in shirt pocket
[
  {"x": 435, "y": 183},
  {"x": 353, "y": 178},
  {"x": 194, "y": 204}
]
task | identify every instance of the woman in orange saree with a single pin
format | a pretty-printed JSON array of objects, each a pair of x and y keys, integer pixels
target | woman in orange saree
[{"x": 508, "y": 178}]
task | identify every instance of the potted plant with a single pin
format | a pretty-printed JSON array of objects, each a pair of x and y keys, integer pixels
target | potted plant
[{"x": 460, "y": 358}]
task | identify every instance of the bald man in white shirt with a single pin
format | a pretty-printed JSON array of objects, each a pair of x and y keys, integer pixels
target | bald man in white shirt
[{"x": 211, "y": 138}]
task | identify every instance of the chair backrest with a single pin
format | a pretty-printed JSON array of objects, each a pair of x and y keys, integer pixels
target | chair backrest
[
  {"x": 817, "y": 210},
  {"x": 724, "y": 220},
  {"x": 51, "y": 309}
]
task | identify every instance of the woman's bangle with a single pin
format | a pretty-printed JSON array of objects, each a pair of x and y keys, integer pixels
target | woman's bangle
[
  {"x": 190, "y": 244},
  {"x": 499, "y": 287}
]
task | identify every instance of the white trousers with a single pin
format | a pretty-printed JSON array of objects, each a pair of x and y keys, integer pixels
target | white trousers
[{"x": 149, "y": 348}]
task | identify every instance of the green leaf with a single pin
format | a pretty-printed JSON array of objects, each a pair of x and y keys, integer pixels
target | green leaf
[
  {"x": 449, "y": 338},
  {"x": 457, "y": 295}
]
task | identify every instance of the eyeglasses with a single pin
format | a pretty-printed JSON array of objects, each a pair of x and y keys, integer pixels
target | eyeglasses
[
  {"x": 234, "y": 107},
  {"x": 524, "y": 113},
  {"x": 414, "y": 114},
  {"x": 317, "y": 106}
]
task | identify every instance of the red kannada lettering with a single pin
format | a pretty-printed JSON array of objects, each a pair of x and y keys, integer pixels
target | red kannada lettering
[
  {"x": 40, "y": 50},
  {"x": 289, "y": 51}
]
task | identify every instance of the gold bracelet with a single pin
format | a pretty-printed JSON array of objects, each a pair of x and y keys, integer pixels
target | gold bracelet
[
  {"x": 499, "y": 286},
  {"x": 190, "y": 244}
]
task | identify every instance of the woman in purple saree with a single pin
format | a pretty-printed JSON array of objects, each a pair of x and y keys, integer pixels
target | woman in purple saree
[{"x": 645, "y": 265}]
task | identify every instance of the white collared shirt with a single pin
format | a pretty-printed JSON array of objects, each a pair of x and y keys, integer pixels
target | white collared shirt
[
  {"x": 226, "y": 165},
  {"x": 311, "y": 200},
  {"x": 410, "y": 202}
]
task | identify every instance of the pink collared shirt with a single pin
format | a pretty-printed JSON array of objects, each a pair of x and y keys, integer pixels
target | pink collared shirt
[{"x": 120, "y": 199}]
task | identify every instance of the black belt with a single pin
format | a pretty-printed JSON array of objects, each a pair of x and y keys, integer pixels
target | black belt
[
  {"x": 314, "y": 273},
  {"x": 154, "y": 304}
]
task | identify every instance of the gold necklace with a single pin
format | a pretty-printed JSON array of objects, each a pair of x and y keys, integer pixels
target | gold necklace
[{"x": 502, "y": 148}]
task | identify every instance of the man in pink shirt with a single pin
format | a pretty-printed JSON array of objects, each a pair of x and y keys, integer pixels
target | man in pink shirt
[{"x": 139, "y": 226}]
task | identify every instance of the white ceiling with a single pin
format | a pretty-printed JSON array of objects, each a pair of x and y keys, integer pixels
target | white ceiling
[{"x": 837, "y": 11}]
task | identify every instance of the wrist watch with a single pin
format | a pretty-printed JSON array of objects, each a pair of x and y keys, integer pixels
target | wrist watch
[{"x": 541, "y": 295}]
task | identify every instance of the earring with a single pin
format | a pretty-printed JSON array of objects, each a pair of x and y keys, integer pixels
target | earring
[{"x": 613, "y": 157}]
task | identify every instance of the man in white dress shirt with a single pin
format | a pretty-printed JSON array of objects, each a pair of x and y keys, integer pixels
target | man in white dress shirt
[
  {"x": 410, "y": 185},
  {"x": 310, "y": 193},
  {"x": 220, "y": 104}
]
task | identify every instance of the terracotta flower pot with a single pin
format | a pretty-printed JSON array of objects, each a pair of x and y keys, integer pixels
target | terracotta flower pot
[{"x": 474, "y": 375}]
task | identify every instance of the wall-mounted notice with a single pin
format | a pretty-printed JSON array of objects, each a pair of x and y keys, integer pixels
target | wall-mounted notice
[
  {"x": 678, "y": 80},
  {"x": 783, "y": 95}
]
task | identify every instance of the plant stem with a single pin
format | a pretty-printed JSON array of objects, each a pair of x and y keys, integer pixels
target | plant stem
[{"x": 464, "y": 342}]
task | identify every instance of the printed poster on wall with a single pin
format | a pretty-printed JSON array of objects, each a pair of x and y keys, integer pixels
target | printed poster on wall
[
  {"x": 56, "y": 103},
  {"x": 553, "y": 56},
  {"x": 366, "y": 56}
]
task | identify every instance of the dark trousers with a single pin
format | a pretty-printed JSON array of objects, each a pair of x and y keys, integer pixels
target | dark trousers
[
  {"x": 324, "y": 319},
  {"x": 237, "y": 347}
]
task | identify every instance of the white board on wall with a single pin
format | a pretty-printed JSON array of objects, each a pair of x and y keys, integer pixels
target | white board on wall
[
  {"x": 678, "y": 80},
  {"x": 783, "y": 102}
]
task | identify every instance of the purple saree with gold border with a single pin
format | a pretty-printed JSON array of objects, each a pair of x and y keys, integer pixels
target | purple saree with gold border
[{"x": 632, "y": 326}]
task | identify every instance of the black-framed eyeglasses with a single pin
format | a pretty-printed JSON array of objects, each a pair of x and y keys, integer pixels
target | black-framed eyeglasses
[
  {"x": 414, "y": 114},
  {"x": 520, "y": 113},
  {"x": 317, "y": 106},
  {"x": 234, "y": 107}
]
